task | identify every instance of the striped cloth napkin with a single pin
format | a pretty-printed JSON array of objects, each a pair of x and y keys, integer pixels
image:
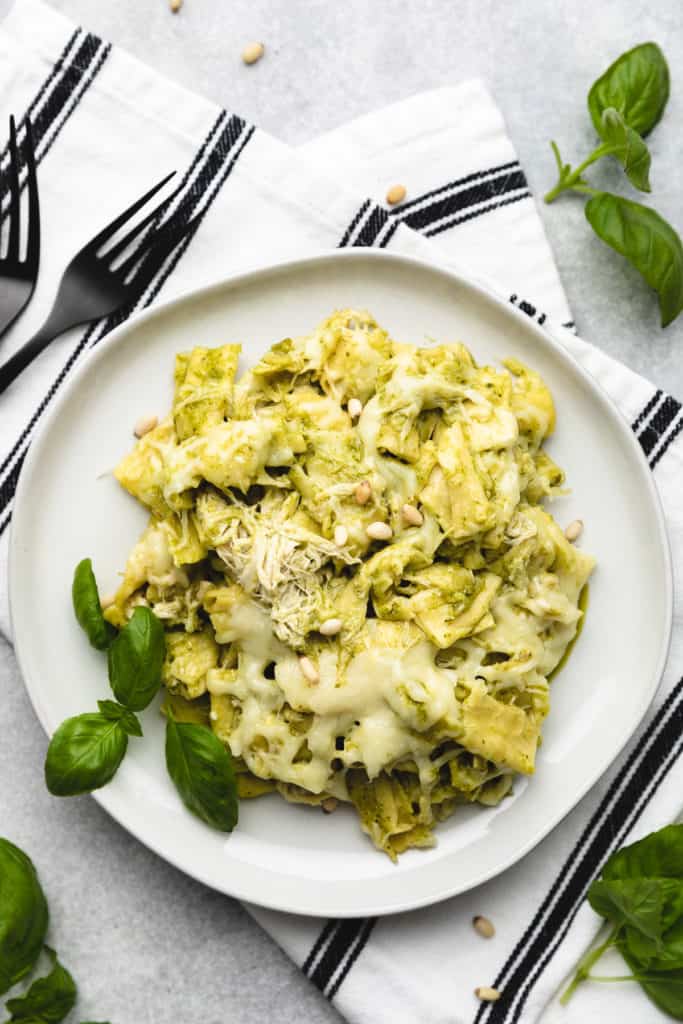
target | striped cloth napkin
[{"x": 106, "y": 127}]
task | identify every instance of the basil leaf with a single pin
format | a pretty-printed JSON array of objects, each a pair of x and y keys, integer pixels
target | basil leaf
[
  {"x": 49, "y": 999},
  {"x": 665, "y": 988},
  {"x": 23, "y": 915},
  {"x": 203, "y": 773},
  {"x": 646, "y": 908},
  {"x": 657, "y": 855},
  {"x": 637, "y": 85},
  {"x": 84, "y": 754},
  {"x": 629, "y": 148},
  {"x": 648, "y": 243},
  {"x": 117, "y": 713},
  {"x": 644, "y": 882},
  {"x": 136, "y": 658},
  {"x": 86, "y": 602}
]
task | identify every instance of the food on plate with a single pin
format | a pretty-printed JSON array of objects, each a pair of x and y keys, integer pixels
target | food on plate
[{"x": 362, "y": 593}]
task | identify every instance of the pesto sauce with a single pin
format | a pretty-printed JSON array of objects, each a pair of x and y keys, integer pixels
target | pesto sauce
[{"x": 582, "y": 605}]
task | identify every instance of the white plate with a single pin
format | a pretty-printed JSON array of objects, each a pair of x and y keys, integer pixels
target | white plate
[{"x": 293, "y": 858}]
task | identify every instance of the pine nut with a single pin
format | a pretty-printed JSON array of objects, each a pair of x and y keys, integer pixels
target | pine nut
[
  {"x": 308, "y": 669},
  {"x": 574, "y": 530},
  {"x": 396, "y": 194},
  {"x": 341, "y": 535},
  {"x": 330, "y": 627},
  {"x": 329, "y": 804},
  {"x": 487, "y": 994},
  {"x": 253, "y": 52},
  {"x": 355, "y": 408},
  {"x": 379, "y": 531},
  {"x": 363, "y": 492},
  {"x": 175, "y": 5},
  {"x": 483, "y": 926},
  {"x": 213, "y": 715},
  {"x": 412, "y": 515},
  {"x": 107, "y": 601},
  {"x": 144, "y": 425}
]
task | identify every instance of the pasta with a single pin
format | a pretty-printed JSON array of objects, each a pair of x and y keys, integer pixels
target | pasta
[{"x": 364, "y": 605}]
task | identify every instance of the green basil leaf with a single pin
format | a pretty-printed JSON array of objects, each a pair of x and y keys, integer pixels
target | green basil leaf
[
  {"x": 646, "y": 906},
  {"x": 659, "y": 855},
  {"x": 637, "y": 85},
  {"x": 23, "y": 915},
  {"x": 84, "y": 754},
  {"x": 648, "y": 243},
  {"x": 117, "y": 713},
  {"x": 86, "y": 602},
  {"x": 665, "y": 988},
  {"x": 49, "y": 999},
  {"x": 203, "y": 773},
  {"x": 629, "y": 148},
  {"x": 136, "y": 658},
  {"x": 672, "y": 954}
]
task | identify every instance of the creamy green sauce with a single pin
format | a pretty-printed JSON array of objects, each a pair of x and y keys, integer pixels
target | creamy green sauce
[{"x": 583, "y": 605}]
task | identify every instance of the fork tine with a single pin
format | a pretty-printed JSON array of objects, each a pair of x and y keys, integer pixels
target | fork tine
[
  {"x": 13, "y": 243},
  {"x": 169, "y": 236},
  {"x": 110, "y": 230},
  {"x": 111, "y": 254},
  {"x": 33, "y": 242}
]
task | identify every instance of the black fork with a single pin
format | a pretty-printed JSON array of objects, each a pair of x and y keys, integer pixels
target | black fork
[
  {"x": 18, "y": 274},
  {"x": 95, "y": 285}
]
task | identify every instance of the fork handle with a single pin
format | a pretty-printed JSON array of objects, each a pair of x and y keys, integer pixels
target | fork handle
[{"x": 17, "y": 363}]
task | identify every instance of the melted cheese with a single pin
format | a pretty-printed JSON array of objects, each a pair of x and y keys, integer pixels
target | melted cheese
[{"x": 433, "y": 684}]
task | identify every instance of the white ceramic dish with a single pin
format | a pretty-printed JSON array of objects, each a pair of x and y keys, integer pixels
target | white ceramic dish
[{"x": 294, "y": 858}]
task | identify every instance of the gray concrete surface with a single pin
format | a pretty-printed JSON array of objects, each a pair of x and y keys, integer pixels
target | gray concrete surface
[{"x": 146, "y": 943}]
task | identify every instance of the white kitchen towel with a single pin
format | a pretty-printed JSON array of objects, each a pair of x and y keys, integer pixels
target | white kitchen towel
[{"x": 106, "y": 127}]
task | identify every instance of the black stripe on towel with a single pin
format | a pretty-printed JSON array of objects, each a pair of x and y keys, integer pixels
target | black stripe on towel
[
  {"x": 465, "y": 215},
  {"x": 671, "y": 436},
  {"x": 58, "y": 97},
  {"x": 647, "y": 765},
  {"x": 35, "y": 104},
  {"x": 320, "y": 944},
  {"x": 446, "y": 204},
  {"x": 348, "y": 234},
  {"x": 337, "y": 944},
  {"x": 352, "y": 954},
  {"x": 658, "y": 424},
  {"x": 371, "y": 226},
  {"x": 216, "y": 157},
  {"x": 642, "y": 416},
  {"x": 529, "y": 309},
  {"x": 437, "y": 193},
  {"x": 441, "y": 208}
]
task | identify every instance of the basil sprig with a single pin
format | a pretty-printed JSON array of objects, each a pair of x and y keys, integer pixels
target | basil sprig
[
  {"x": 48, "y": 1000},
  {"x": 85, "y": 752},
  {"x": 641, "y": 893},
  {"x": 23, "y": 915},
  {"x": 86, "y": 602},
  {"x": 135, "y": 659},
  {"x": 23, "y": 924},
  {"x": 626, "y": 103},
  {"x": 203, "y": 773}
]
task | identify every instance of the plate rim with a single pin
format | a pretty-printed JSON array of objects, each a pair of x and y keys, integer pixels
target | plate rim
[{"x": 107, "y": 797}]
